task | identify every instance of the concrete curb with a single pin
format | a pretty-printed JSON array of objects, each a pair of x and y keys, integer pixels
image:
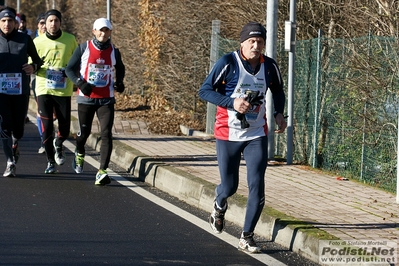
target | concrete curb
[
  {"x": 194, "y": 133},
  {"x": 200, "y": 193}
]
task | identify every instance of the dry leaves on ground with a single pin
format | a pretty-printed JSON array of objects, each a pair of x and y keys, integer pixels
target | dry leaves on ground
[{"x": 165, "y": 122}]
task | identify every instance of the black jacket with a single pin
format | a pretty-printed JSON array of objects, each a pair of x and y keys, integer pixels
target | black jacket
[{"x": 15, "y": 49}]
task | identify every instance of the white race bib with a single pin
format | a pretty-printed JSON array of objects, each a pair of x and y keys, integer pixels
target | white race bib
[
  {"x": 99, "y": 75},
  {"x": 55, "y": 79},
  {"x": 11, "y": 83}
]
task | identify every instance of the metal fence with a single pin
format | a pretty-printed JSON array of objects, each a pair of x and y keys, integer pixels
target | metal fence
[{"x": 345, "y": 121}]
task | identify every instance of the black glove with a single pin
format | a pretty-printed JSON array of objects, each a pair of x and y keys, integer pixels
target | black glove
[
  {"x": 243, "y": 120},
  {"x": 253, "y": 99},
  {"x": 63, "y": 73},
  {"x": 119, "y": 87},
  {"x": 85, "y": 87}
]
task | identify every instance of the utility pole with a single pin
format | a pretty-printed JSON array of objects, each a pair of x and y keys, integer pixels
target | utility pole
[
  {"x": 271, "y": 41},
  {"x": 109, "y": 10},
  {"x": 397, "y": 169},
  {"x": 290, "y": 33}
]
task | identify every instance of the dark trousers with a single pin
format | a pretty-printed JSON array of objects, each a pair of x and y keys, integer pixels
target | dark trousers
[
  {"x": 105, "y": 114},
  {"x": 13, "y": 110},
  {"x": 47, "y": 105},
  {"x": 255, "y": 155}
]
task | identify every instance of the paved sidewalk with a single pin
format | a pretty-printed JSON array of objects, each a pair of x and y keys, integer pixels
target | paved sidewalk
[{"x": 345, "y": 209}]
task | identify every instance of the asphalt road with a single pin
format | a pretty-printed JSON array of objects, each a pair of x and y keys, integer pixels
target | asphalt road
[{"x": 64, "y": 219}]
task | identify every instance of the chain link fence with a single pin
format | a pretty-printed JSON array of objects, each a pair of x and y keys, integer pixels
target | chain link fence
[{"x": 345, "y": 106}]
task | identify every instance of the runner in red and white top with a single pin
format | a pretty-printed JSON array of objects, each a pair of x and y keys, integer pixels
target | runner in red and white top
[{"x": 97, "y": 69}]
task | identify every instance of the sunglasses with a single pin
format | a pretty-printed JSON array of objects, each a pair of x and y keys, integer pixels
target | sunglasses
[{"x": 42, "y": 22}]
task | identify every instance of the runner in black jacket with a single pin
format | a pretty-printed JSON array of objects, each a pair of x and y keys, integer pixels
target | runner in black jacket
[{"x": 15, "y": 48}]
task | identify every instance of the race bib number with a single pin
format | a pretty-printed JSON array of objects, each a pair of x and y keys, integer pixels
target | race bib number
[
  {"x": 55, "y": 79},
  {"x": 11, "y": 83},
  {"x": 99, "y": 75}
]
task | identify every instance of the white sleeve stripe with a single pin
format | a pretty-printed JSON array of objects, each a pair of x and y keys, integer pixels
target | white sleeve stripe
[{"x": 220, "y": 74}]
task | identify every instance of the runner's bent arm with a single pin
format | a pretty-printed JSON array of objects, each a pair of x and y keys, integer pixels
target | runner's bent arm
[
  {"x": 32, "y": 52},
  {"x": 212, "y": 90},
  {"x": 119, "y": 67},
  {"x": 73, "y": 66}
]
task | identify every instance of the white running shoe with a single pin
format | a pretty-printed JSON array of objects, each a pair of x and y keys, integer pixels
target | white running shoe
[
  {"x": 102, "y": 178},
  {"x": 247, "y": 243},
  {"x": 10, "y": 170},
  {"x": 78, "y": 161},
  {"x": 59, "y": 155},
  {"x": 41, "y": 150}
]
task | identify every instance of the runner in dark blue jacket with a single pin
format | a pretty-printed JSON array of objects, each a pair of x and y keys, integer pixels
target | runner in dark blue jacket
[{"x": 237, "y": 85}]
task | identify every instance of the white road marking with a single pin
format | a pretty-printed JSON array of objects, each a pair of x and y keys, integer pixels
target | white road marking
[{"x": 233, "y": 241}]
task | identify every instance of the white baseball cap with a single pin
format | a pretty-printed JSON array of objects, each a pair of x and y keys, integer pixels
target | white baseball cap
[{"x": 101, "y": 23}]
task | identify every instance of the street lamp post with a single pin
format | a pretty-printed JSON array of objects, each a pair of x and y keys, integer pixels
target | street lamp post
[
  {"x": 109, "y": 10},
  {"x": 271, "y": 41},
  {"x": 290, "y": 47}
]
